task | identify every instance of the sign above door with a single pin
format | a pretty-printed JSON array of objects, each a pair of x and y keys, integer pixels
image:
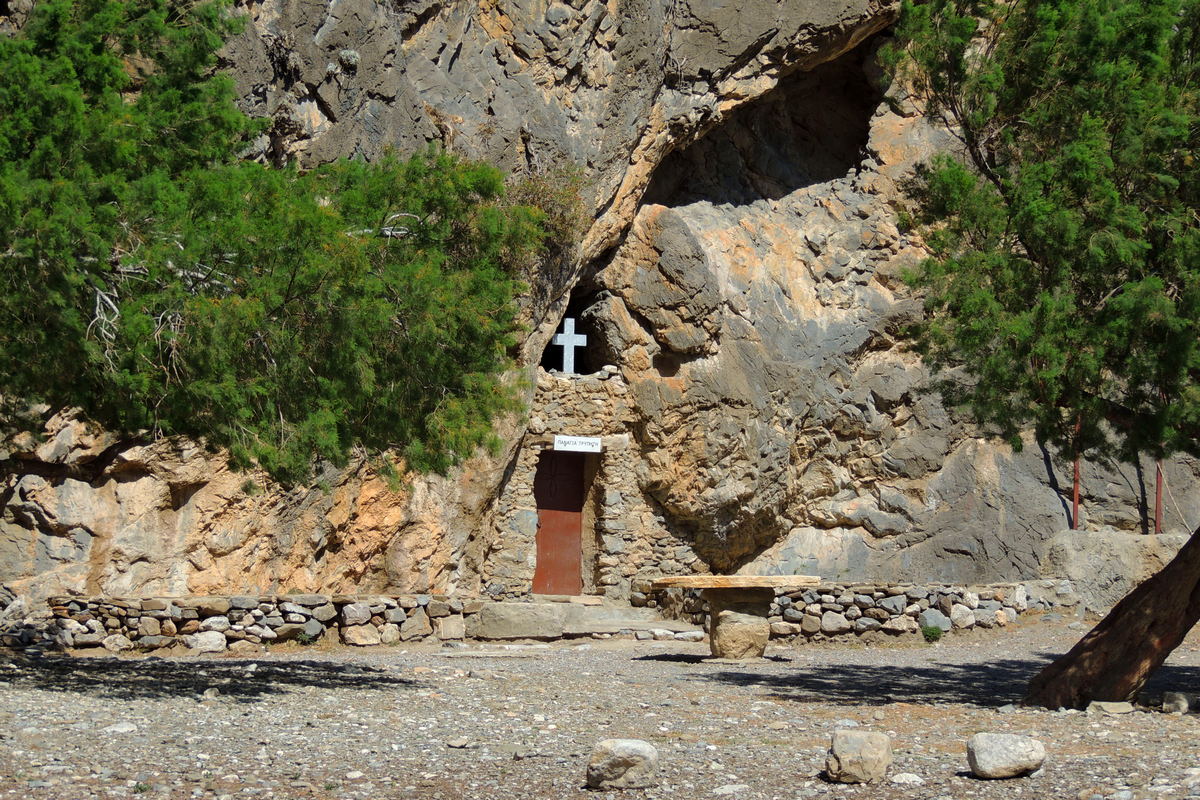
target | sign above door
[{"x": 577, "y": 444}]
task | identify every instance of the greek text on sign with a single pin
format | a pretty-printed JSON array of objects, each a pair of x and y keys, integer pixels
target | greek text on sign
[{"x": 577, "y": 444}]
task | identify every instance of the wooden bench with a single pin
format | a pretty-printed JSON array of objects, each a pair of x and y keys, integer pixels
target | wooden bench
[{"x": 738, "y": 607}]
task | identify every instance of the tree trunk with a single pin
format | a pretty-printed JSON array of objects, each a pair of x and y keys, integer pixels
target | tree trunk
[
  {"x": 1075, "y": 497},
  {"x": 1158, "y": 506},
  {"x": 1115, "y": 659}
]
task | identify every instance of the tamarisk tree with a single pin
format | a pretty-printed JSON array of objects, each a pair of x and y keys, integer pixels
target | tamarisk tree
[
  {"x": 1064, "y": 280},
  {"x": 155, "y": 282}
]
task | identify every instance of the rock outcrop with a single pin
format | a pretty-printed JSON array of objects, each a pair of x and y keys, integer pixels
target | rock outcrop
[{"x": 742, "y": 273}]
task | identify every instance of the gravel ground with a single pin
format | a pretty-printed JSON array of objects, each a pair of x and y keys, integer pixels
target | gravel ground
[{"x": 483, "y": 721}]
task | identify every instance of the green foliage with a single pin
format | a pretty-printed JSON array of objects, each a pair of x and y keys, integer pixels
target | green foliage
[
  {"x": 1064, "y": 286},
  {"x": 157, "y": 283},
  {"x": 932, "y": 633}
]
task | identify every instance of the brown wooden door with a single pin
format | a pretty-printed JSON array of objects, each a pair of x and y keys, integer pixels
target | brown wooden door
[{"x": 558, "y": 491}]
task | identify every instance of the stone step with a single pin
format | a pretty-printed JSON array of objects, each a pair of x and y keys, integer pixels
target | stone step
[{"x": 556, "y": 620}]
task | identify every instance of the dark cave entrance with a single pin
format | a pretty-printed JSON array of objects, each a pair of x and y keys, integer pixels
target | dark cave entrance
[
  {"x": 812, "y": 128},
  {"x": 588, "y": 356}
]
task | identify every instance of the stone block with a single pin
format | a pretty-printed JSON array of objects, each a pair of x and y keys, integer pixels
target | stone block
[
  {"x": 1173, "y": 702},
  {"x": 622, "y": 764},
  {"x": 519, "y": 621},
  {"x": 313, "y": 629},
  {"x": 784, "y": 629},
  {"x": 894, "y": 604},
  {"x": 389, "y": 633},
  {"x": 288, "y": 631},
  {"x": 451, "y": 627},
  {"x": 205, "y": 642},
  {"x": 116, "y": 643},
  {"x": 932, "y": 618},
  {"x": 858, "y": 756},
  {"x": 438, "y": 608},
  {"x": 361, "y": 635},
  {"x": 962, "y": 617},
  {"x": 898, "y": 625},
  {"x": 416, "y": 625},
  {"x": 356, "y": 614},
  {"x": 1004, "y": 755},
  {"x": 324, "y": 613},
  {"x": 307, "y": 600},
  {"x": 154, "y": 642},
  {"x": 833, "y": 623}
]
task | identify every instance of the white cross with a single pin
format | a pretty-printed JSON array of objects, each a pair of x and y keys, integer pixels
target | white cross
[{"x": 569, "y": 340}]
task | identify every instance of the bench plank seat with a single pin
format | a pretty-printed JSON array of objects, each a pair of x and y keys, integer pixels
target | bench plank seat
[{"x": 735, "y": 581}]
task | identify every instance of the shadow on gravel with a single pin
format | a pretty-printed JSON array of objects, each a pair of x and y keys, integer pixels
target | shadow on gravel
[
  {"x": 697, "y": 658},
  {"x": 128, "y": 679},
  {"x": 990, "y": 684}
]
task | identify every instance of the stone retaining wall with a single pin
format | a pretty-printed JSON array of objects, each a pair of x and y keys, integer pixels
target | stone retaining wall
[
  {"x": 854, "y": 609},
  {"x": 214, "y": 624}
]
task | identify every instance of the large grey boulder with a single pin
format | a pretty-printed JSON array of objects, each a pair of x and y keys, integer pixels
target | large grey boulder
[
  {"x": 858, "y": 756},
  {"x": 1004, "y": 755},
  {"x": 622, "y": 764}
]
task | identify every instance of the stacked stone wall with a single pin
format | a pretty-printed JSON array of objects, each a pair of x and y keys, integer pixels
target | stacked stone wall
[
  {"x": 847, "y": 610},
  {"x": 215, "y": 624},
  {"x": 838, "y": 611}
]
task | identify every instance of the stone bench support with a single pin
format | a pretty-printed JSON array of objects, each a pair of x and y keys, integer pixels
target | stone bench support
[{"x": 738, "y": 608}]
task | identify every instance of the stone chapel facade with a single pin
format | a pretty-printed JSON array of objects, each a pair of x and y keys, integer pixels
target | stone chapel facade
[{"x": 613, "y": 539}]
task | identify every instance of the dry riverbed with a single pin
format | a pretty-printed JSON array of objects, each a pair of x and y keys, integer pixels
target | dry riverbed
[{"x": 483, "y": 721}]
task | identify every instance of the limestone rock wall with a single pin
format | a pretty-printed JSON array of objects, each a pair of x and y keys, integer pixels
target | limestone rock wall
[
  {"x": 742, "y": 274},
  {"x": 174, "y": 519},
  {"x": 754, "y": 309}
]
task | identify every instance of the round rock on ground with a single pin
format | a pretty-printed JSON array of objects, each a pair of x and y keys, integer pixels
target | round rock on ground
[
  {"x": 1004, "y": 755},
  {"x": 622, "y": 764},
  {"x": 858, "y": 756}
]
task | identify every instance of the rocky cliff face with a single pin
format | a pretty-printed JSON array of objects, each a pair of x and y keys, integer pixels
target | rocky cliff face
[{"x": 742, "y": 273}]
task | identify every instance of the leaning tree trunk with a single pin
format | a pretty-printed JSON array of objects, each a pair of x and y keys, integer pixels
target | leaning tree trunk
[{"x": 1116, "y": 658}]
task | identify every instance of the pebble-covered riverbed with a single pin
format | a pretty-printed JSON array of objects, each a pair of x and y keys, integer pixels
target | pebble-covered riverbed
[{"x": 485, "y": 721}]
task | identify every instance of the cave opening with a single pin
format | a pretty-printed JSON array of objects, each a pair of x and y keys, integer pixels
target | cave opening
[
  {"x": 575, "y": 347},
  {"x": 812, "y": 128}
]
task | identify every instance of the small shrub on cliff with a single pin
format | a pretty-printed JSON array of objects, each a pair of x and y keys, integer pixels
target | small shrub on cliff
[{"x": 162, "y": 286}]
